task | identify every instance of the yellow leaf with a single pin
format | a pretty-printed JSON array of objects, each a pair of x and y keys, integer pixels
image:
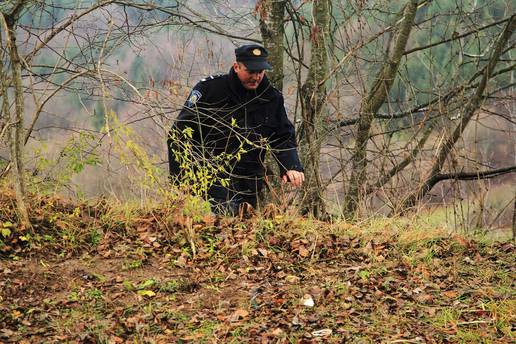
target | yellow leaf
[
  {"x": 16, "y": 314},
  {"x": 148, "y": 293},
  {"x": 5, "y": 232}
]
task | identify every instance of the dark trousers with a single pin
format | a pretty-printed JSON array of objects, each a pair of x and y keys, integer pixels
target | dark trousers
[{"x": 228, "y": 200}]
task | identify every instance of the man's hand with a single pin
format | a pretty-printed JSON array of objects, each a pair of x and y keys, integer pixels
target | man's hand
[{"x": 295, "y": 178}]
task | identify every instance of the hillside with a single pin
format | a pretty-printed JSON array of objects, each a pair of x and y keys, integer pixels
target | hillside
[{"x": 106, "y": 273}]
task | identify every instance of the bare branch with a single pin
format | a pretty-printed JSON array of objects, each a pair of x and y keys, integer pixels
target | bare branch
[
  {"x": 455, "y": 37},
  {"x": 486, "y": 174},
  {"x": 469, "y": 110}
]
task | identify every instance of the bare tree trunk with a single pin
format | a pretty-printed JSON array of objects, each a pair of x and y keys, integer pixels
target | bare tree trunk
[
  {"x": 313, "y": 95},
  {"x": 514, "y": 219},
  {"x": 4, "y": 110},
  {"x": 271, "y": 14},
  {"x": 371, "y": 104},
  {"x": 272, "y": 29},
  {"x": 16, "y": 116},
  {"x": 469, "y": 110}
]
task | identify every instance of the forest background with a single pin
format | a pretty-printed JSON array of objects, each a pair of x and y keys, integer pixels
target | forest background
[{"x": 398, "y": 106}]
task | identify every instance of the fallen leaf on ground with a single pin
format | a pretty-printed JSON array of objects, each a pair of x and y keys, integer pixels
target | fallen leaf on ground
[
  {"x": 307, "y": 300},
  {"x": 303, "y": 252},
  {"x": 322, "y": 333},
  {"x": 238, "y": 315},
  {"x": 292, "y": 279},
  {"x": 148, "y": 293},
  {"x": 277, "y": 332},
  {"x": 450, "y": 294}
]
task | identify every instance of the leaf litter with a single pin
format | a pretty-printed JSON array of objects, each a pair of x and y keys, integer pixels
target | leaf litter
[{"x": 282, "y": 279}]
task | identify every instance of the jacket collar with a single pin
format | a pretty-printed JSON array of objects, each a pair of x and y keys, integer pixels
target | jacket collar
[{"x": 243, "y": 94}]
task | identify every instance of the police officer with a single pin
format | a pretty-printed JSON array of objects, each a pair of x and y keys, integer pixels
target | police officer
[{"x": 231, "y": 120}]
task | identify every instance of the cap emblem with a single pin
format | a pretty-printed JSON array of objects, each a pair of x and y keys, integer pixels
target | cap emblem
[{"x": 257, "y": 52}]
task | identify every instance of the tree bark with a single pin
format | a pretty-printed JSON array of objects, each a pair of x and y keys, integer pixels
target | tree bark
[
  {"x": 514, "y": 219},
  {"x": 469, "y": 110},
  {"x": 371, "y": 104},
  {"x": 271, "y": 14},
  {"x": 272, "y": 29},
  {"x": 4, "y": 110},
  {"x": 16, "y": 117},
  {"x": 313, "y": 95}
]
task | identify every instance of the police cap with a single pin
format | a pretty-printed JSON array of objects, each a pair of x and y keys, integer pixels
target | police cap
[{"x": 253, "y": 56}]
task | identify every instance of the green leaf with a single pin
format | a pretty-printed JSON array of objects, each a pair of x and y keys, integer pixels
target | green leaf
[
  {"x": 128, "y": 285},
  {"x": 364, "y": 274},
  {"x": 147, "y": 284},
  {"x": 73, "y": 296}
]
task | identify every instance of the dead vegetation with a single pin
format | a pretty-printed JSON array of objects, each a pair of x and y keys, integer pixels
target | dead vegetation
[{"x": 105, "y": 273}]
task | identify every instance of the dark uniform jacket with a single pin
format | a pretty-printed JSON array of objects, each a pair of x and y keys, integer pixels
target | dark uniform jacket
[{"x": 227, "y": 118}]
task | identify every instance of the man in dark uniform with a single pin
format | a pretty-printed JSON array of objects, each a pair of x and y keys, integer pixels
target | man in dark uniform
[{"x": 227, "y": 124}]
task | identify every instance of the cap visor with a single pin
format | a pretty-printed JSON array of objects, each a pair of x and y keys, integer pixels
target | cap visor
[{"x": 257, "y": 65}]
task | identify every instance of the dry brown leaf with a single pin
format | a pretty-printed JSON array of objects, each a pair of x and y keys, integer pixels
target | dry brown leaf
[
  {"x": 303, "y": 252},
  {"x": 292, "y": 279},
  {"x": 193, "y": 336},
  {"x": 238, "y": 315},
  {"x": 425, "y": 298},
  {"x": 450, "y": 294},
  {"x": 277, "y": 332},
  {"x": 115, "y": 340}
]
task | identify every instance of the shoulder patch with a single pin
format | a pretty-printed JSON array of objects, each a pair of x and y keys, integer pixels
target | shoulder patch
[
  {"x": 194, "y": 96},
  {"x": 211, "y": 77}
]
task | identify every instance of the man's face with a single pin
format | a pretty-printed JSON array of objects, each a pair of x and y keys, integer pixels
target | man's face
[{"x": 249, "y": 79}]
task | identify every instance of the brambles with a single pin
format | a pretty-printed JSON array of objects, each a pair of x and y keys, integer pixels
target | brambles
[{"x": 199, "y": 168}]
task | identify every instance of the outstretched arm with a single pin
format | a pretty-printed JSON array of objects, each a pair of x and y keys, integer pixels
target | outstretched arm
[{"x": 283, "y": 142}]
